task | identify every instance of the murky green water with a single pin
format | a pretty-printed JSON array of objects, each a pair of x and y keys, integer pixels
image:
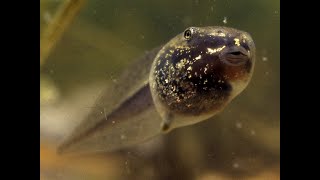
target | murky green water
[{"x": 243, "y": 141}]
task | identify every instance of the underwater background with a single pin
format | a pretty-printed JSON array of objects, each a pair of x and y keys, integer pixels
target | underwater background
[{"x": 98, "y": 41}]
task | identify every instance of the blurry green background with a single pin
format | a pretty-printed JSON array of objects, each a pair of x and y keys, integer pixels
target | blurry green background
[{"x": 105, "y": 36}]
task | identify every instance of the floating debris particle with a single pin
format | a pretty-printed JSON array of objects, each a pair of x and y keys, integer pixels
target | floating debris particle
[
  {"x": 264, "y": 58},
  {"x": 239, "y": 125},
  {"x": 225, "y": 20},
  {"x": 235, "y": 165},
  {"x": 252, "y": 132},
  {"x": 47, "y": 17}
]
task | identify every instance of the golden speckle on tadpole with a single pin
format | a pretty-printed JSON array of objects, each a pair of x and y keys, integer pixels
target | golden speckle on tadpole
[
  {"x": 205, "y": 70},
  {"x": 168, "y": 55},
  {"x": 212, "y": 51},
  {"x": 218, "y": 34},
  {"x": 198, "y": 57},
  {"x": 181, "y": 64},
  {"x": 237, "y": 41}
]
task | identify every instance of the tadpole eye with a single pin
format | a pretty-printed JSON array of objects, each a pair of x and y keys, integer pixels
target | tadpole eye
[{"x": 187, "y": 34}]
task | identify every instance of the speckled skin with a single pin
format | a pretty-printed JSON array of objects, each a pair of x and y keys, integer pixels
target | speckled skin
[{"x": 198, "y": 72}]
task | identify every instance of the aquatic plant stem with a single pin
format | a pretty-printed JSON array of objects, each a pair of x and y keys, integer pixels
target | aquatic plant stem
[{"x": 62, "y": 19}]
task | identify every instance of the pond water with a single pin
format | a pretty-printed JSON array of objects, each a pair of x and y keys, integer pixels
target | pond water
[{"x": 104, "y": 37}]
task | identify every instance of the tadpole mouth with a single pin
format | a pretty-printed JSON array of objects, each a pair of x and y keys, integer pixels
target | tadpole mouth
[
  {"x": 234, "y": 56},
  {"x": 236, "y": 53}
]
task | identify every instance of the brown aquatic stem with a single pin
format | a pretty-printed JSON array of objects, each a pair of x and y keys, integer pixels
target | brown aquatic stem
[{"x": 64, "y": 16}]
